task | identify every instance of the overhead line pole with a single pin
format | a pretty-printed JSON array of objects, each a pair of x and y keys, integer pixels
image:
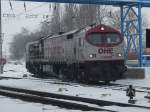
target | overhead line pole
[
  {"x": 140, "y": 35},
  {"x": 1, "y": 65}
]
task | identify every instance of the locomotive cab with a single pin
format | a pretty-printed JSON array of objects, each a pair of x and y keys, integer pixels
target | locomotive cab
[{"x": 104, "y": 52}]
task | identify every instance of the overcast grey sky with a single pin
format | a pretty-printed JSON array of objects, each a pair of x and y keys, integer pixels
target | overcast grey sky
[{"x": 11, "y": 25}]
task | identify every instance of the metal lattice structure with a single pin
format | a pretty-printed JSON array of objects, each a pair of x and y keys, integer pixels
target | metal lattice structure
[{"x": 131, "y": 20}]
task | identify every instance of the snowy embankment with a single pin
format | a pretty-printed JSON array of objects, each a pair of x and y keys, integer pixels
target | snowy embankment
[{"x": 16, "y": 69}]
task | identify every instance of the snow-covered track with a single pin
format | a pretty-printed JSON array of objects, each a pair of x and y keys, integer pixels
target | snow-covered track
[
  {"x": 113, "y": 86},
  {"x": 53, "y": 98},
  {"x": 3, "y": 77}
]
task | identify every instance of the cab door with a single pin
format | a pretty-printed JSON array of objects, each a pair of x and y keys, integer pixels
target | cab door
[{"x": 79, "y": 49}]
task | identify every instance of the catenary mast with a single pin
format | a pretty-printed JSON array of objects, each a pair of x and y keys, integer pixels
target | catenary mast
[{"x": 1, "y": 64}]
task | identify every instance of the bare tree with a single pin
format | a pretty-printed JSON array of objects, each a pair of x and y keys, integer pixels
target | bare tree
[
  {"x": 17, "y": 47},
  {"x": 114, "y": 19},
  {"x": 102, "y": 14},
  {"x": 86, "y": 15},
  {"x": 90, "y": 14},
  {"x": 55, "y": 23},
  {"x": 68, "y": 20}
]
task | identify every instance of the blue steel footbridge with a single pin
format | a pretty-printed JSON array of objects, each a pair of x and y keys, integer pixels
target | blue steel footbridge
[{"x": 131, "y": 28}]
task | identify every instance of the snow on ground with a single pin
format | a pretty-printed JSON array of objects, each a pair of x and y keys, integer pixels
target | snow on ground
[
  {"x": 138, "y": 82},
  {"x": 14, "y": 105},
  {"x": 17, "y": 69},
  {"x": 147, "y": 72}
]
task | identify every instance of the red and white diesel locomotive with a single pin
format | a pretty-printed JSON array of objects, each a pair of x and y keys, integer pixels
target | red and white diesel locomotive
[{"x": 94, "y": 53}]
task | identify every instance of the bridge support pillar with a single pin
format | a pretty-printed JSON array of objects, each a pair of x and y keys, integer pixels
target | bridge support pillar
[{"x": 131, "y": 28}]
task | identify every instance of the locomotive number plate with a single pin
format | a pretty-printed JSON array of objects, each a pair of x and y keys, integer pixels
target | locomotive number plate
[{"x": 105, "y": 51}]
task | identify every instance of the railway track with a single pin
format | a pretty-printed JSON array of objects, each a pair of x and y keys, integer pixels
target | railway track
[
  {"x": 113, "y": 86},
  {"x": 65, "y": 101},
  {"x": 49, "y": 98}
]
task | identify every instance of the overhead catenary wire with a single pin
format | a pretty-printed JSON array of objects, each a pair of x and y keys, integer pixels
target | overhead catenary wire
[
  {"x": 25, "y": 7},
  {"x": 24, "y": 12}
]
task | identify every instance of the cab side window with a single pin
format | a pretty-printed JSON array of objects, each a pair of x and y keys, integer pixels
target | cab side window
[{"x": 70, "y": 36}]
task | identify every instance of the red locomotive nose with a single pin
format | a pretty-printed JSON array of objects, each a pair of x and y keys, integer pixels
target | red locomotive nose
[{"x": 103, "y": 36}]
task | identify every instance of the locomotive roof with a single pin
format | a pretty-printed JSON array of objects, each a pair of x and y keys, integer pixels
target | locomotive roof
[
  {"x": 97, "y": 28},
  {"x": 58, "y": 35},
  {"x": 90, "y": 28},
  {"x": 66, "y": 33},
  {"x": 33, "y": 42}
]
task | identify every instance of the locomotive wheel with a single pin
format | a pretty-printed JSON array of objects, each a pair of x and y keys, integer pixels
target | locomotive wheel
[
  {"x": 79, "y": 77},
  {"x": 63, "y": 72},
  {"x": 67, "y": 73},
  {"x": 82, "y": 76},
  {"x": 56, "y": 69},
  {"x": 107, "y": 71}
]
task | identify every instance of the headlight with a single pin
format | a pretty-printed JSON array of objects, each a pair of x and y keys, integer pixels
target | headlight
[
  {"x": 119, "y": 54},
  {"x": 92, "y": 55}
]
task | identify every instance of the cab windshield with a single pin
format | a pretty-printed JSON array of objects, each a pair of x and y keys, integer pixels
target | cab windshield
[
  {"x": 112, "y": 38},
  {"x": 96, "y": 38},
  {"x": 103, "y": 38}
]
